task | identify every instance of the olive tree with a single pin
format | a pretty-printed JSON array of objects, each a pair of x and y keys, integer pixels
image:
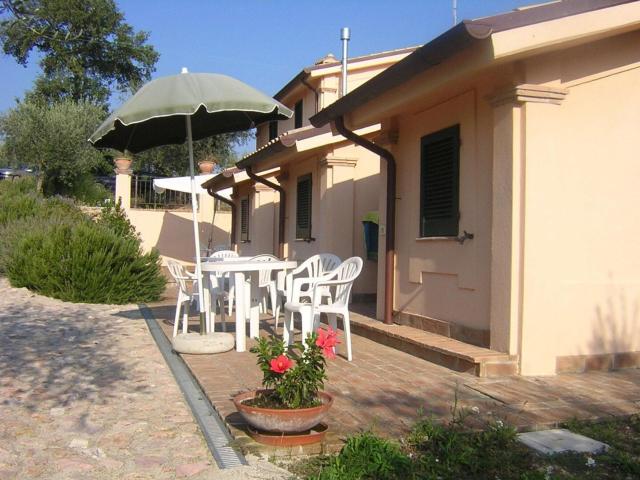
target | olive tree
[{"x": 53, "y": 139}]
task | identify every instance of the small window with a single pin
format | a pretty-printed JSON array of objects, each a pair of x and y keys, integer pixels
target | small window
[
  {"x": 244, "y": 219},
  {"x": 303, "y": 208},
  {"x": 273, "y": 130},
  {"x": 297, "y": 119},
  {"x": 439, "y": 183}
]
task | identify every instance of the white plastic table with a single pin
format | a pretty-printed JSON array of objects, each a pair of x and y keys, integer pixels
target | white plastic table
[{"x": 243, "y": 269}]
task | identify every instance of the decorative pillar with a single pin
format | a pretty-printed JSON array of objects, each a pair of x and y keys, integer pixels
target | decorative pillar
[
  {"x": 509, "y": 210},
  {"x": 336, "y": 202},
  {"x": 123, "y": 185}
]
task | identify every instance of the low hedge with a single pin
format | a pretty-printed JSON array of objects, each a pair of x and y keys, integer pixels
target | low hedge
[
  {"x": 50, "y": 247},
  {"x": 85, "y": 262}
]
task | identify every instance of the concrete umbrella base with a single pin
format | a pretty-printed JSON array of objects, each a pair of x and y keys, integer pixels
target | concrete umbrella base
[{"x": 194, "y": 343}]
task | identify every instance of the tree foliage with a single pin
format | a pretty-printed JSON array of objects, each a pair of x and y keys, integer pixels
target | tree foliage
[
  {"x": 53, "y": 138},
  {"x": 86, "y": 47}
]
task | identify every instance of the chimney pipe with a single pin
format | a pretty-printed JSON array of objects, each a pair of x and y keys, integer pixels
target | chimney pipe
[{"x": 344, "y": 36}]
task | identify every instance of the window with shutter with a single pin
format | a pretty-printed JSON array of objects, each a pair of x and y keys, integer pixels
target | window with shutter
[
  {"x": 439, "y": 183},
  {"x": 297, "y": 119},
  {"x": 273, "y": 130},
  {"x": 244, "y": 219},
  {"x": 303, "y": 208}
]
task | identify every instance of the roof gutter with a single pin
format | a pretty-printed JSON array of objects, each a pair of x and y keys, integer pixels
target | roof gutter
[
  {"x": 281, "y": 213},
  {"x": 232, "y": 204},
  {"x": 390, "y": 214}
]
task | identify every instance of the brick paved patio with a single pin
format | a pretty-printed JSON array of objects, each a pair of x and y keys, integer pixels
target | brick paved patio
[{"x": 385, "y": 389}]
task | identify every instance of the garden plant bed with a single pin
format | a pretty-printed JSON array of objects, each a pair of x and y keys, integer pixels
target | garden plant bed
[{"x": 456, "y": 451}]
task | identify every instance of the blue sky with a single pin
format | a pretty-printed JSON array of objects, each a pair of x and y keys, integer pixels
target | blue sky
[{"x": 267, "y": 42}]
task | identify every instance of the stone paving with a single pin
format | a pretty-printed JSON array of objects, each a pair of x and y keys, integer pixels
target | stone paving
[
  {"x": 85, "y": 394},
  {"x": 385, "y": 389}
]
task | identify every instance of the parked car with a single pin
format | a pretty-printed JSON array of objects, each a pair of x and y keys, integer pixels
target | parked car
[{"x": 8, "y": 173}]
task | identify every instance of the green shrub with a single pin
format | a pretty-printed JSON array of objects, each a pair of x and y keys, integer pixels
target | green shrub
[
  {"x": 115, "y": 219},
  {"x": 84, "y": 262},
  {"x": 366, "y": 456},
  {"x": 89, "y": 192},
  {"x": 18, "y": 186},
  {"x": 17, "y": 207}
]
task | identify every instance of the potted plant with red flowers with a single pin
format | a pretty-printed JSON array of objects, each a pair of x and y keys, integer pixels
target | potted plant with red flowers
[{"x": 291, "y": 400}]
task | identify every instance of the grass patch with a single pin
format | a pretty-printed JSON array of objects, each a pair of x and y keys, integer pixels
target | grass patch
[{"x": 452, "y": 450}]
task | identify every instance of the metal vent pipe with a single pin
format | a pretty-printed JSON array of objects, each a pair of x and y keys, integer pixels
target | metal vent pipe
[{"x": 345, "y": 35}]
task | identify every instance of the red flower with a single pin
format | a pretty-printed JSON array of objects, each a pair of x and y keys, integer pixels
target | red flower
[
  {"x": 327, "y": 340},
  {"x": 281, "y": 364}
]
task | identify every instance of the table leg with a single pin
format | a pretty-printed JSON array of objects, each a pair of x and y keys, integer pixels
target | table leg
[
  {"x": 254, "y": 309},
  {"x": 241, "y": 319},
  {"x": 206, "y": 292}
]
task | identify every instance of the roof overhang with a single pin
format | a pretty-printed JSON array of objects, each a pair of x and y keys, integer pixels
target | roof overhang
[
  {"x": 233, "y": 177},
  {"x": 485, "y": 42},
  {"x": 354, "y": 64},
  {"x": 290, "y": 145}
]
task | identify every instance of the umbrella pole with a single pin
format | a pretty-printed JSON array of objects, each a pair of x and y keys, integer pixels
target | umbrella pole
[{"x": 196, "y": 234}]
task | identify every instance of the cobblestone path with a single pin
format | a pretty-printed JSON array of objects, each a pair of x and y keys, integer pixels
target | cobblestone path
[{"x": 84, "y": 393}]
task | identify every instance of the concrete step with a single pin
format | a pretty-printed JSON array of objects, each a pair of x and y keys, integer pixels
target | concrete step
[{"x": 445, "y": 351}]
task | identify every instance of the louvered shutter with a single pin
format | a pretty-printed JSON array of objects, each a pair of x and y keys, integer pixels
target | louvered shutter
[
  {"x": 303, "y": 208},
  {"x": 439, "y": 183},
  {"x": 244, "y": 219}
]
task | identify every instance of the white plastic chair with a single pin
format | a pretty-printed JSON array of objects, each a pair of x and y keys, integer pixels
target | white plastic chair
[
  {"x": 313, "y": 267},
  {"x": 340, "y": 281},
  {"x": 266, "y": 285},
  {"x": 225, "y": 283},
  {"x": 182, "y": 276}
]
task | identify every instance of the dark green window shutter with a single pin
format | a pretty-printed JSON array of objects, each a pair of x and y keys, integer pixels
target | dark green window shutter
[
  {"x": 303, "y": 208},
  {"x": 244, "y": 219},
  {"x": 297, "y": 116},
  {"x": 440, "y": 183},
  {"x": 273, "y": 130}
]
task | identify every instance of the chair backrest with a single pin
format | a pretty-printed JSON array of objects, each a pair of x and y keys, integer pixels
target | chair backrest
[
  {"x": 347, "y": 272},
  {"x": 179, "y": 274},
  {"x": 319, "y": 264},
  {"x": 265, "y": 275},
  {"x": 224, "y": 254}
]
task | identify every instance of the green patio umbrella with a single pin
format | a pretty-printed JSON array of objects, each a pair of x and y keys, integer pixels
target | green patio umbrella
[{"x": 186, "y": 107}]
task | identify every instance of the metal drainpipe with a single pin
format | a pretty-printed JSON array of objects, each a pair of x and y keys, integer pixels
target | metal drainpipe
[
  {"x": 391, "y": 211},
  {"x": 283, "y": 200},
  {"x": 233, "y": 213}
]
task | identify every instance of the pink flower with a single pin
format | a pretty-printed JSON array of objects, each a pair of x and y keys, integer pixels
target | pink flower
[
  {"x": 327, "y": 340},
  {"x": 280, "y": 364}
]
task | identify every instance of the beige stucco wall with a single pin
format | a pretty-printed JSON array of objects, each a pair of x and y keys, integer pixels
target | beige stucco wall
[
  {"x": 326, "y": 85},
  {"x": 581, "y": 261},
  {"x": 344, "y": 187},
  {"x": 437, "y": 277},
  {"x": 263, "y": 205},
  {"x": 548, "y": 190},
  {"x": 171, "y": 232}
]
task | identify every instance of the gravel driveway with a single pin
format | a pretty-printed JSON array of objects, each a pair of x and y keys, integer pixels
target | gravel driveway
[{"x": 85, "y": 394}]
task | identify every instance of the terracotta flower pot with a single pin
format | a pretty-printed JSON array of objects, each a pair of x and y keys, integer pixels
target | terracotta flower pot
[
  {"x": 206, "y": 166},
  {"x": 282, "y": 420},
  {"x": 123, "y": 164}
]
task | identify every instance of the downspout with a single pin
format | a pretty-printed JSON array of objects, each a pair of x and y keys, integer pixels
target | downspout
[
  {"x": 281, "y": 213},
  {"x": 233, "y": 213},
  {"x": 391, "y": 211}
]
